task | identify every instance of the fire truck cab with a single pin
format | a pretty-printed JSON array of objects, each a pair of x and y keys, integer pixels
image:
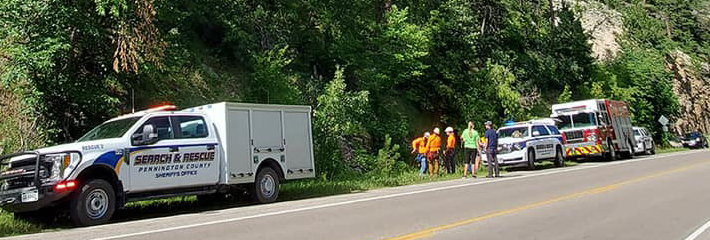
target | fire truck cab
[{"x": 596, "y": 128}]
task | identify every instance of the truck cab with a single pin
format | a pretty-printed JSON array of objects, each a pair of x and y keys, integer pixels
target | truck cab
[{"x": 161, "y": 152}]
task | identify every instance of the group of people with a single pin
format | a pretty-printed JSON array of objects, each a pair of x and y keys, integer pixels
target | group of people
[{"x": 428, "y": 150}]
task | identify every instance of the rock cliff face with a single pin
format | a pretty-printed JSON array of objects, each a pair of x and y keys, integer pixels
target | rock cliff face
[
  {"x": 602, "y": 23},
  {"x": 692, "y": 86},
  {"x": 691, "y": 82}
]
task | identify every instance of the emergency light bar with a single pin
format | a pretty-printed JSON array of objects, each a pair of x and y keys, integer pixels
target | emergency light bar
[{"x": 161, "y": 108}]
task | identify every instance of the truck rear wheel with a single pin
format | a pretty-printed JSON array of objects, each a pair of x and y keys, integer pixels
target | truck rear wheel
[
  {"x": 93, "y": 203},
  {"x": 630, "y": 153},
  {"x": 266, "y": 186},
  {"x": 611, "y": 156}
]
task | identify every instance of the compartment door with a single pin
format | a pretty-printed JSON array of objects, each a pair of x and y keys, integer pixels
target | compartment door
[
  {"x": 238, "y": 146},
  {"x": 299, "y": 158}
]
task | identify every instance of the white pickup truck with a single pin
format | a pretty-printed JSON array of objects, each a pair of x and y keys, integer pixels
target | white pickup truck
[{"x": 205, "y": 151}]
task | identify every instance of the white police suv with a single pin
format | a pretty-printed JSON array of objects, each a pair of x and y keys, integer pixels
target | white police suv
[{"x": 524, "y": 143}]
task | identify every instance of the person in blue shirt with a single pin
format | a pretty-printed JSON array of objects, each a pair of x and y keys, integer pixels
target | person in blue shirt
[{"x": 492, "y": 150}]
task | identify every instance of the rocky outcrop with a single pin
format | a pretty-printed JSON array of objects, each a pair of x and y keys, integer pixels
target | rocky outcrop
[
  {"x": 602, "y": 23},
  {"x": 692, "y": 86}
]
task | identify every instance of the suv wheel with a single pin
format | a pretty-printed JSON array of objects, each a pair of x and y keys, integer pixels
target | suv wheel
[
  {"x": 93, "y": 203},
  {"x": 266, "y": 187},
  {"x": 531, "y": 159},
  {"x": 559, "y": 158}
]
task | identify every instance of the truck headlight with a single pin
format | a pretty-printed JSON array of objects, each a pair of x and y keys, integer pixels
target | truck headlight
[{"x": 59, "y": 163}]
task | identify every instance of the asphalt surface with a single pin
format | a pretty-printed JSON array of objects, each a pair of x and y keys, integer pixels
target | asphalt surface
[{"x": 657, "y": 197}]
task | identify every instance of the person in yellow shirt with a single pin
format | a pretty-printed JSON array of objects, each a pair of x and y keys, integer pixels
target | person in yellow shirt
[
  {"x": 450, "y": 151},
  {"x": 419, "y": 146},
  {"x": 434, "y": 144}
]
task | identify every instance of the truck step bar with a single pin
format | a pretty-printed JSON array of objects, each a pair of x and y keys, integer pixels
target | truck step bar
[{"x": 133, "y": 197}]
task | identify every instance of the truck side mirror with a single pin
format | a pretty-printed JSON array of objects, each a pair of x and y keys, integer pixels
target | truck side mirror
[{"x": 147, "y": 137}]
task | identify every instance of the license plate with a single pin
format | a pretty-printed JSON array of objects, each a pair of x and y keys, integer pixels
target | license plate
[{"x": 30, "y": 196}]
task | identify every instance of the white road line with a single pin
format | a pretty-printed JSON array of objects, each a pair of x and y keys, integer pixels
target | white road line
[
  {"x": 379, "y": 197},
  {"x": 699, "y": 231}
]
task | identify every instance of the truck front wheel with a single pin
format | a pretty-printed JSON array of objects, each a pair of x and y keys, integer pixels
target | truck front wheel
[
  {"x": 93, "y": 203},
  {"x": 266, "y": 187}
]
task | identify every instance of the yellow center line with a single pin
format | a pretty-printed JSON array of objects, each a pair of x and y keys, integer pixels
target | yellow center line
[{"x": 428, "y": 232}]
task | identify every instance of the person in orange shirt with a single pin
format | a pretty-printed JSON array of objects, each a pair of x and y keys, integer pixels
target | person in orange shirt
[
  {"x": 434, "y": 144},
  {"x": 450, "y": 151},
  {"x": 419, "y": 145}
]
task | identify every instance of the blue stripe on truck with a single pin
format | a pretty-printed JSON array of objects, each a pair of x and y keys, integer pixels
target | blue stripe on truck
[{"x": 109, "y": 158}]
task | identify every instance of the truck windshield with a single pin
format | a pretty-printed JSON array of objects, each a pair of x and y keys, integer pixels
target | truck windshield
[
  {"x": 564, "y": 123},
  {"x": 520, "y": 132},
  {"x": 113, "y": 129},
  {"x": 579, "y": 120}
]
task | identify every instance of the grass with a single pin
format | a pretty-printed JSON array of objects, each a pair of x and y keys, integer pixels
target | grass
[
  {"x": 670, "y": 150},
  {"x": 292, "y": 190}
]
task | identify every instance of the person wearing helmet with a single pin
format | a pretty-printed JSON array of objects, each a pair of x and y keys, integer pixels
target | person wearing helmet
[
  {"x": 470, "y": 138},
  {"x": 434, "y": 144},
  {"x": 492, "y": 150},
  {"x": 419, "y": 146},
  {"x": 450, "y": 151}
]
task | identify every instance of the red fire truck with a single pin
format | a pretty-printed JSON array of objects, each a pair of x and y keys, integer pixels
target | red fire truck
[{"x": 596, "y": 127}]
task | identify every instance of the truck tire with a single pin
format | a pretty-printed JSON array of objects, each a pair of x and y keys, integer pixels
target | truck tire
[
  {"x": 531, "y": 159},
  {"x": 630, "y": 153},
  {"x": 559, "y": 158},
  {"x": 611, "y": 155},
  {"x": 93, "y": 203},
  {"x": 266, "y": 186}
]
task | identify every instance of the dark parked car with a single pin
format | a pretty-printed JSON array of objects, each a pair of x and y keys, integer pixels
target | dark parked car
[{"x": 695, "y": 140}]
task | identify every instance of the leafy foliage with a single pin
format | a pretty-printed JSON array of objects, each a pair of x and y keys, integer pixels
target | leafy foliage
[{"x": 376, "y": 72}]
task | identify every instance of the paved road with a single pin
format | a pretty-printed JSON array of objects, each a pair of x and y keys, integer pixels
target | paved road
[{"x": 661, "y": 197}]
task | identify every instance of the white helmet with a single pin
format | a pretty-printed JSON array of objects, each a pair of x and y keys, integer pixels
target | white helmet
[
  {"x": 437, "y": 131},
  {"x": 449, "y": 129},
  {"x": 426, "y": 134}
]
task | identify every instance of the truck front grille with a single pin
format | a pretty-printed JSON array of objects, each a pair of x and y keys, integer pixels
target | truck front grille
[
  {"x": 21, "y": 174},
  {"x": 575, "y": 136}
]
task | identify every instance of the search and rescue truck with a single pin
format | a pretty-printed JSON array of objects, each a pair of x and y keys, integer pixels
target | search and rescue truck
[
  {"x": 207, "y": 151},
  {"x": 597, "y": 127}
]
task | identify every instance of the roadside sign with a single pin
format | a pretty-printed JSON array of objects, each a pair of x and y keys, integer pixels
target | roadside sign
[{"x": 663, "y": 120}]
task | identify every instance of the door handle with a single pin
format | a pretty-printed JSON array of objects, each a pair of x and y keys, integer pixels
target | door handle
[
  {"x": 210, "y": 147},
  {"x": 174, "y": 149}
]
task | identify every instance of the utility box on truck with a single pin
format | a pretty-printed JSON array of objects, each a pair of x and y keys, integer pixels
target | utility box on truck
[
  {"x": 254, "y": 133},
  {"x": 209, "y": 151}
]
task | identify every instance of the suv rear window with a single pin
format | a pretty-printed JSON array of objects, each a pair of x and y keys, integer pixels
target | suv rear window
[{"x": 190, "y": 127}]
